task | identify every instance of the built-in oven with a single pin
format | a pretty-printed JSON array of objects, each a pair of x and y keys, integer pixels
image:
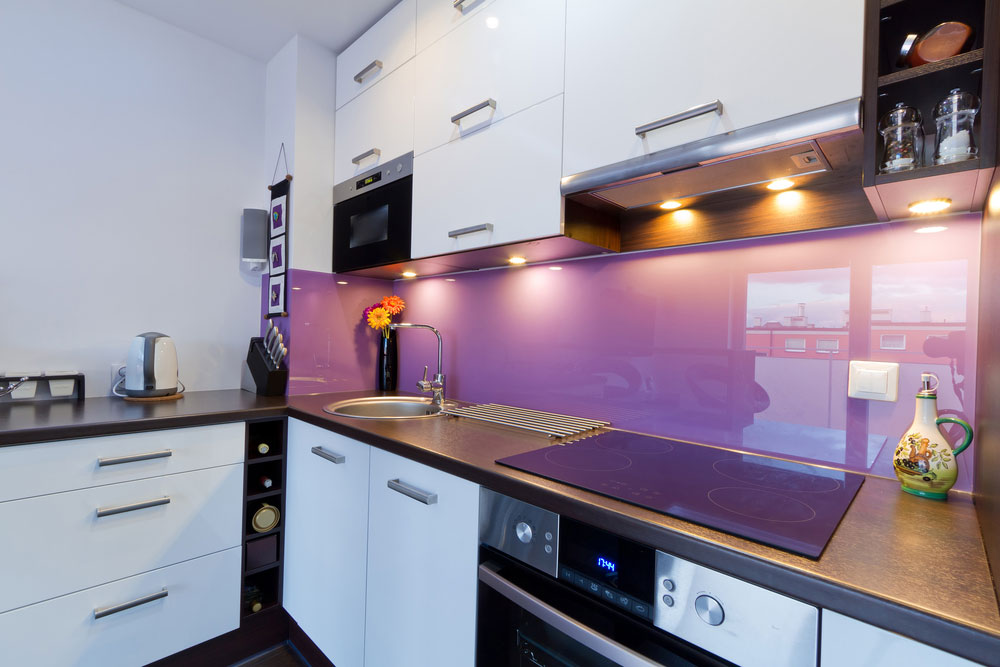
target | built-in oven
[
  {"x": 555, "y": 592},
  {"x": 371, "y": 216}
]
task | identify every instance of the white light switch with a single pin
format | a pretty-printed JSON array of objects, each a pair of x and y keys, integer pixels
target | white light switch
[{"x": 873, "y": 380}]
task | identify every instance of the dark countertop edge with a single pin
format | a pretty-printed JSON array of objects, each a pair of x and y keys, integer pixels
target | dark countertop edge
[{"x": 967, "y": 642}]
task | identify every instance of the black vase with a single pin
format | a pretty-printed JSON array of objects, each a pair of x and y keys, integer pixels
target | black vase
[{"x": 387, "y": 362}]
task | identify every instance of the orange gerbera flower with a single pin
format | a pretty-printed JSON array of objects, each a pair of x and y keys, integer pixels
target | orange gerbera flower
[
  {"x": 393, "y": 304},
  {"x": 378, "y": 318}
]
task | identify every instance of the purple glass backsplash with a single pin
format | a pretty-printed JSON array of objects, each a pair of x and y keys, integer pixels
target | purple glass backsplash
[{"x": 742, "y": 344}]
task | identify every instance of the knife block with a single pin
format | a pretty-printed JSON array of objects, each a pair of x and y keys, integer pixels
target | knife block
[{"x": 259, "y": 374}]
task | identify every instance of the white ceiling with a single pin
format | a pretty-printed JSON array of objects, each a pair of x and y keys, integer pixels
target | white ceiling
[{"x": 259, "y": 28}]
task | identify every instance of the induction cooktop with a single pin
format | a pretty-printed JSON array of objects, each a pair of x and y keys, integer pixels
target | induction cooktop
[{"x": 792, "y": 506}]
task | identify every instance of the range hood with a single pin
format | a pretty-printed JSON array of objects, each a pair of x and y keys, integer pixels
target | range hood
[{"x": 817, "y": 141}]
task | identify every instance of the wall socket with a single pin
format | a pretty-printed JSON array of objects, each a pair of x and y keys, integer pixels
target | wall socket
[{"x": 117, "y": 373}]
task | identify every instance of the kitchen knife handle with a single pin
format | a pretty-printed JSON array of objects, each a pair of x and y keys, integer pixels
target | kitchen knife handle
[
  {"x": 488, "y": 102},
  {"x": 371, "y": 67},
  {"x": 700, "y": 110}
]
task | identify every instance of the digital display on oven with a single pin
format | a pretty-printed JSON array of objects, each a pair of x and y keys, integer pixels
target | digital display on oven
[
  {"x": 608, "y": 559},
  {"x": 365, "y": 182},
  {"x": 606, "y": 564}
]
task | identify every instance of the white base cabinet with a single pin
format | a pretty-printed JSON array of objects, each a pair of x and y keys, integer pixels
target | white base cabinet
[{"x": 847, "y": 642}]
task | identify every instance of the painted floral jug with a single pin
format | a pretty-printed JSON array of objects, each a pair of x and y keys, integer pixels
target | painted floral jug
[{"x": 925, "y": 463}]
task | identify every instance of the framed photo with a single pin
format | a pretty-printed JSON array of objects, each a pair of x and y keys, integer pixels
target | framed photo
[
  {"x": 277, "y": 256},
  {"x": 279, "y": 215},
  {"x": 276, "y": 295}
]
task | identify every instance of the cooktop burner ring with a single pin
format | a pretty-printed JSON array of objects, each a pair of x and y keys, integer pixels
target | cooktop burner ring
[
  {"x": 589, "y": 460},
  {"x": 776, "y": 479},
  {"x": 796, "y": 510}
]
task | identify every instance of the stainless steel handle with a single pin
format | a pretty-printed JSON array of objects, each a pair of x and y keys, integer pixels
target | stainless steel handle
[
  {"x": 368, "y": 153},
  {"x": 416, "y": 494},
  {"x": 609, "y": 648},
  {"x": 485, "y": 227},
  {"x": 700, "y": 110},
  {"x": 458, "y": 3},
  {"x": 488, "y": 102},
  {"x": 118, "y": 460},
  {"x": 371, "y": 67},
  {"x": 329, "y": 456},
  {"x": 121, "y": 509},
  {"x": 101, "y": 612}
]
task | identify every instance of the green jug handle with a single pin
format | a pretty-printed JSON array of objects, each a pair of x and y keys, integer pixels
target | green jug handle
[{"x": 968, "y": 432}]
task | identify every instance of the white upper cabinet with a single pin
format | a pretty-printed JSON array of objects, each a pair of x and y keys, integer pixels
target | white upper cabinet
[
  {"x": 631, "y": 64},
  {"x": 504, "y": 59},
  {"x": 384, "y": 47},
  {"x": 847, "y": 642},
  {"x": 375, "y": 127},
  {"x": 436, "y": 18}
]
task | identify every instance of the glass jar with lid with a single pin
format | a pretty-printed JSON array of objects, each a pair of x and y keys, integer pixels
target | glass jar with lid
[
  {"x": 954, "y": 117},
  {"x": 902, "y": 131}
]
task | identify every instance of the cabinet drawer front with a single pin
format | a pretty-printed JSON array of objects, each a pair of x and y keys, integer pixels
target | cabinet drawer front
[
  {"x": 62, "y": 545},
  {"x": 202, "y": 602},
  {"x": 384, "y": 47},
  {"x": 381, "y": 120},
  {"x": 53, "y": 467},
  {"x": 743, "y": 62},
  {"x": 436, "y": 18},
  {"x": 517, "y": 63},
  {"x": 506, "y": 176}
]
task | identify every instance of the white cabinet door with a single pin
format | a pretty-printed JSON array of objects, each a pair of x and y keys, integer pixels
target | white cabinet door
[
  {"x": 436, "y": 18},
  {"x": 326, "y": 531},
  {"x": 377, "y": 125},
  {"x": 506, "y": 176},
  {"x": 384, "y": 47},
  {"x": 422, "y": 566},
  {"x": 846, "y": 642},
  {"x": 629, "y": 64},
  {"x": 511, "y": 53}
]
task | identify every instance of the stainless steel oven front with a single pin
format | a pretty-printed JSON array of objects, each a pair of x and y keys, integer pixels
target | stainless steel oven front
[{"x": 555, "y": 592}]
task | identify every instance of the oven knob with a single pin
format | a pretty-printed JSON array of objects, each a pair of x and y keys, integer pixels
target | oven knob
[
  {"x": 709, "y": 609},
  {"x": 668, "y": 584},
  {"x": 523, "y": 532}
]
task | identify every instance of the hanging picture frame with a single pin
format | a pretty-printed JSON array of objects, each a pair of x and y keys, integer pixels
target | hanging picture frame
[
  {"x": 277, "y": 255},
  {"x": 279, "y": 212},
  {"x": 276, "y": 296},
  {"x": 278, "y": 226}
]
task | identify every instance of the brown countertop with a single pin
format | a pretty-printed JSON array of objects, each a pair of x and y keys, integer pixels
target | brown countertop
[{"x": 909, "y": 565}]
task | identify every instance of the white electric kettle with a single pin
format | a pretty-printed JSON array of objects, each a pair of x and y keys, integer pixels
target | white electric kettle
[{"x": 151, "y": 369}]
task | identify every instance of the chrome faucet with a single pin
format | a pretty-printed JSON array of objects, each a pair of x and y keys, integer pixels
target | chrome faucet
[{"x": 436, "y": 386}]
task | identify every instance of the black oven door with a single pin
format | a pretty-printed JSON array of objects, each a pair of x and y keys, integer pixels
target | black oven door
[
  {"x": 373, "y": 228},
  {"x": 526, "y": 619}
]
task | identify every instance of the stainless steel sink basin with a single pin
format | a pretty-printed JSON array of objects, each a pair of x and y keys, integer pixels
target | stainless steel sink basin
[{"x": 384, "y": 407}]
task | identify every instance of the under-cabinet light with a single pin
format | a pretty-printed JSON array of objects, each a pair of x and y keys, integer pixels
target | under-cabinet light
[
  {"x": 780, "y": 184},
  {"x": 683, "y": 217},
  {"x": 930, "y": 230},
  {"x": 925, "y": 206},
  {"x": 671, "y": 205},
  {"x": 409, "y": 274},
  {"x": 555, "y": 268},
  {"x": 341, "y": 282},
  {"x": 517, "y": 260}
]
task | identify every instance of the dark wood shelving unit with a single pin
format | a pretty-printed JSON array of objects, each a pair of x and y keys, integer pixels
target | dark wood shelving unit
[
  {"x": 262, "y": 552},
  {"x": 974, "y": 56}
]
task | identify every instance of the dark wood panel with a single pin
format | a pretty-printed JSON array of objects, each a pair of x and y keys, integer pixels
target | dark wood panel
[
  {"x": 975, "y": 55},
  {"x": 305, "y": 646},
  {"x": 591, "y": 225},
  {"x": 255, "y": 634}
]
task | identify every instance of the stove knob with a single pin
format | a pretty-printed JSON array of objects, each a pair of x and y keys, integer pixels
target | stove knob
[
  {"x": 523, "y": 532},
  {"x": 709, "y": 609}
]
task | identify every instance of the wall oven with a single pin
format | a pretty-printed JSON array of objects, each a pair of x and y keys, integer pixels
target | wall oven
[
  {"x": 555, "y": 592},
  {"x": 371, "y": 216}
]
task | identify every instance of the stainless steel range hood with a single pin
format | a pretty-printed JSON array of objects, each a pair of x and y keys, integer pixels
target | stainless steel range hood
[{"x": 787, "y": 147}]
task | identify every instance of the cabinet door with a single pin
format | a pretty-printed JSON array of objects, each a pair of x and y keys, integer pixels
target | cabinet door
[
  {"x": 422, "y": 566},
  {"x": 506, "y": 176},
  {"x": 632, "y": 64},
  {"x": 846, "y": 642},
  {"x": 436, "y": 18},
  {"x": 511, "y": 53},
  {"x": 326, "y": 526},
  {"x": 384, "y": 47},
  {"x": 379, "y": 120}
]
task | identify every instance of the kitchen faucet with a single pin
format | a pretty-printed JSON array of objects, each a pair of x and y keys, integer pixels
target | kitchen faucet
[{"x": 436, "y": 387}]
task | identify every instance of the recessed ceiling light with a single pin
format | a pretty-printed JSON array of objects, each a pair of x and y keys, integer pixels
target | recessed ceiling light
[
  {"x": 671, "y": 205},
  {"x": 409, "y": 274},
  {"x": 780, "y": 184},
  {"x": 341, "y": 282},
  {"x": 555, "y": 268},
  {"x": 517, "y": 260},
  {"x": 930, "y": 230},
  {"x": 925, "y": 206}
]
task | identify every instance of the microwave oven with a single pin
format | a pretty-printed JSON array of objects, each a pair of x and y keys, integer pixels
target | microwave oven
[{"x": 371, "y": 216}]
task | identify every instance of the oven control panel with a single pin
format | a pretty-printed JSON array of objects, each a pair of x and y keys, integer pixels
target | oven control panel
[
  {"x": 612, "y": 596},
  {"x": 520, "y": 530}
]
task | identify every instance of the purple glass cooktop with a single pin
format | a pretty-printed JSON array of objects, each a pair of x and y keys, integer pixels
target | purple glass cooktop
[{"x": 788, "y": 505}]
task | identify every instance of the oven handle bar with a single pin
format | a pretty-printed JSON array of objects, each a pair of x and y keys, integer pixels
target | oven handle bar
[{"x": 596, "y": 642}]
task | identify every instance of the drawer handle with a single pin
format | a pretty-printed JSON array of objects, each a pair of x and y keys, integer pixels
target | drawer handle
[
  {"x": 416, "y": 494},
  {"x": 121, "y": 509},
  {"x": 118, "y": 460},
  {"x": 488, "y": 102},
  {"x": 457, "y": 4},
  {"x": 485, "y": 227},
  {"x": 329, "y": 456},
  {"x": 371, "y": 67},
  {"x": 700, "y": 110},
  {"x": 368, "y": 153},
  {"x": 101, "y": 612}
]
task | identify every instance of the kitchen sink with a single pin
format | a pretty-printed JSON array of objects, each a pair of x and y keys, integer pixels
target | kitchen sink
[{"x": 384, "y": 407}]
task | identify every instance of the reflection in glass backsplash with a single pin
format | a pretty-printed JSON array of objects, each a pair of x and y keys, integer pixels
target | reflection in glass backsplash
[{"x": 742, "y": 344}]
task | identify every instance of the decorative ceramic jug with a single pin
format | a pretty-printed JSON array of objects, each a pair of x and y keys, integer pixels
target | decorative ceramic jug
[{"x": 925, "y": 463}]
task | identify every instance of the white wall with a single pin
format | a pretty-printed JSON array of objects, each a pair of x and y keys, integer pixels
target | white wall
[{"x": 130, "y": 148}]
